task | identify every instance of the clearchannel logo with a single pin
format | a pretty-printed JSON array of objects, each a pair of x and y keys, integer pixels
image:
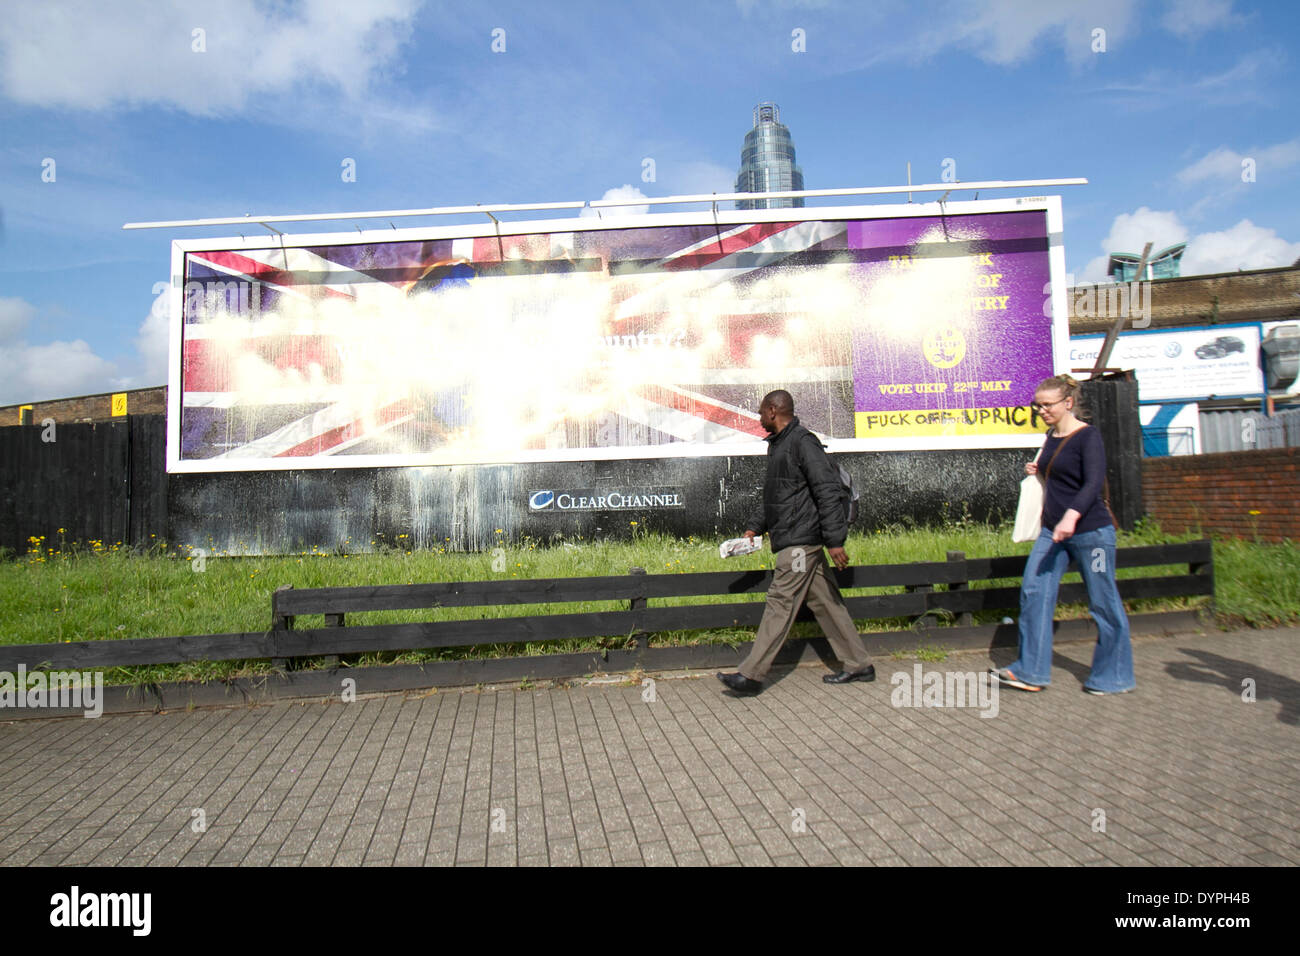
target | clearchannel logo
[{"x": 603, "y": 499}]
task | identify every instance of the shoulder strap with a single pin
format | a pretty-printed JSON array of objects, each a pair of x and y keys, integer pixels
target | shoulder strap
[
  {"x": 1105, "y": 500},
  {"x": 1105, "y": 481},
  {"x": 1064, "y": 441}
]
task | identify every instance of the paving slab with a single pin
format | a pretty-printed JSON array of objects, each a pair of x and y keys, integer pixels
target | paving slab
[{"x": 1196, "y": 768}]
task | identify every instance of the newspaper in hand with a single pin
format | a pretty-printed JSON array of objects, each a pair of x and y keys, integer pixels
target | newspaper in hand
[{"x": 736, "y": 546}]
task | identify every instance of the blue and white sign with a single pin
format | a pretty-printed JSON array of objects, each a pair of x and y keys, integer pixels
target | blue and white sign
[{"x": 1184, "y": 364}]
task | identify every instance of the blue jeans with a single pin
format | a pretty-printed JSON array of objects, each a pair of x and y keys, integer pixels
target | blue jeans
[{"x": 1094, "y": 555}]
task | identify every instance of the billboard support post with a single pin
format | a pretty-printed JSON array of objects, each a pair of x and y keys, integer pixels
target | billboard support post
[
  {"x": 1104, "y": 355},
  {"x": 599, "y": 204}
]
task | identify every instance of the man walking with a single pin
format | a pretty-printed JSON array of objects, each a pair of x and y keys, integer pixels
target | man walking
[{"x": 802, "y": 510}]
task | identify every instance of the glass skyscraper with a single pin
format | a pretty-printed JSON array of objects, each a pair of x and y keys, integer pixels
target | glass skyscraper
[{"x": 767, "y": 161}]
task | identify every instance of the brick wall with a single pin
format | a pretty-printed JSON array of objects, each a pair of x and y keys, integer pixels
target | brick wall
[
  {"x": 89, "y": 408},
  {"x": 1258, "y": 296},
  {"x": 1217, "y": 493}
]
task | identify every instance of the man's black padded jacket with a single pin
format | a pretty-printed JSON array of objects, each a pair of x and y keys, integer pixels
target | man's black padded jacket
[{"x": 803, "y": 498}]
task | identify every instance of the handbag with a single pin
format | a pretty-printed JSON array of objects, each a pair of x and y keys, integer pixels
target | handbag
[{"x": 1029, "y": 510}]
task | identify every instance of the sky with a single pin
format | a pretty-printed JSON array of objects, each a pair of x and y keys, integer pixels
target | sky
[{"x": 1182, "y": 116}]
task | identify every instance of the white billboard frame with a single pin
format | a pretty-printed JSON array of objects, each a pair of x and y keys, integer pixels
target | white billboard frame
[{"x": 1055, "y": 294}]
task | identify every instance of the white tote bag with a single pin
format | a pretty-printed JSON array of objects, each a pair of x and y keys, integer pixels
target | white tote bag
[{"x": 1029, "y": 513}]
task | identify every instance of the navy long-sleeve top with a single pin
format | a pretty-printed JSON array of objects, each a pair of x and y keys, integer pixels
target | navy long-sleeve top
[{"x": 1076, "y": 480}]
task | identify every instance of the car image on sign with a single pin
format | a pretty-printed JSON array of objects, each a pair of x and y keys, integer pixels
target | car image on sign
[{"x": 1221, "y": 346}]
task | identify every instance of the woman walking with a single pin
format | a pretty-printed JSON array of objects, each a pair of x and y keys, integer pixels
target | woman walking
[{"x": 1078, "y": 524}]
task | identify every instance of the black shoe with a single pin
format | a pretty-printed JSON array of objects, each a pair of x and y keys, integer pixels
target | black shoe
[
  {"x": 843, "y": 677},
  {"x": 740, "y": 683}
]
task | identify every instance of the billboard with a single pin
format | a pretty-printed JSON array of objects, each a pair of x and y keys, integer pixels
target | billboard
[
  {"x": 900, "y": 326},
  {"x": 1184, "y": 364}
]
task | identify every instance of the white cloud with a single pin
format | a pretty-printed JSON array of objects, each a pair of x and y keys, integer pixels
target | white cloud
[
  {"x": 1279, "y": 156},
  {"x": 1190, "y": 18},
  {"x": 1130, "y": 232},
  {"x": 151, "y": 343},
  {"x": 55, "y": 370},
  {"x": 63, "y": 369},
  {"x": 1224, "y": 164},
  {"x": 676, "y": 179},
  {"x": 59, "y": 369},
  {"x": 1250, "y": 80},
  {"x": 748, "y": 7},
  {"x": 1006, "y": 32},
  {"x": 1223, "y": 172},
  {"x": 1221, "y": 163},
  {"x": 621, "y": 193},
  {"x": 14, "y": 316},
  {"x": 1243, "y": 246},
  {"x": 87, "y": 54}
]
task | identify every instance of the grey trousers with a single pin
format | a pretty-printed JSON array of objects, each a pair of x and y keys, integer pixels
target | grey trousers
[{"x": 802, "y": 575}]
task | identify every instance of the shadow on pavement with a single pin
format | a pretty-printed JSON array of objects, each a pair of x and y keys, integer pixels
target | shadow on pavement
[{"x": 1217, "y": 669}]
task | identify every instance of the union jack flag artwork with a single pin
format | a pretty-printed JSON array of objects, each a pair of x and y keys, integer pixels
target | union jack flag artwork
[{"x": 630, "y": 342}]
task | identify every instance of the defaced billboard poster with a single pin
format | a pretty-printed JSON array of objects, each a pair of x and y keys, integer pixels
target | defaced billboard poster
[{"x": 894, "y": 327}]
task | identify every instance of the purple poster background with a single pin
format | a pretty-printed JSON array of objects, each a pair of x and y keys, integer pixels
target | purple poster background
[{"x": 954, "y": 312}]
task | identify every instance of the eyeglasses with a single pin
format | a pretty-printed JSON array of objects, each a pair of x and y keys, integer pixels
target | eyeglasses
[{"x": 1044, "y": 406}]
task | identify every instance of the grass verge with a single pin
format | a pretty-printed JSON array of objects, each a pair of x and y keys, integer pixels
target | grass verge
[{"x": 81, "y": 592}]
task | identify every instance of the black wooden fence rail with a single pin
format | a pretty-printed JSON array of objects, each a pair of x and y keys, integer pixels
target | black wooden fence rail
[{"x": 919, "y": 599}]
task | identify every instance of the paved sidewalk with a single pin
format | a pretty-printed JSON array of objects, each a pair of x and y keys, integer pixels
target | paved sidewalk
[{"x": 1184, "y": 771}]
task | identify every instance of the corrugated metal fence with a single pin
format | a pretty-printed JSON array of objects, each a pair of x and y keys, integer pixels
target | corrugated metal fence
[{"x": 1243, "y": 431}]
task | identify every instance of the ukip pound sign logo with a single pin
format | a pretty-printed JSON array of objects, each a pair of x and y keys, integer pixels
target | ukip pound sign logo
[{"x": 944, "y": 346}]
